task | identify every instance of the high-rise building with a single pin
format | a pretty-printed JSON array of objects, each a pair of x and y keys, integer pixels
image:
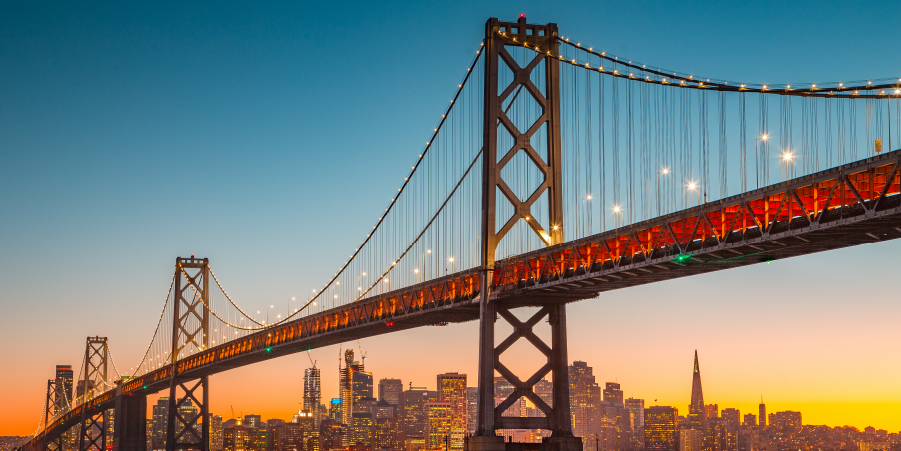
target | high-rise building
[
  {"x": 148, "y": 431},
  {"x": 439, "y": 425},
  {"x": 712, "y": 411},
  {"x": 452, "y": 390},
  {"x": 697, "y": 418},
  {"x": 331, "y": 435},
  {"x": 636, "y": 409},
  {"x": 412, "y": 415},
  {"x": 84, "y": 386},
  {"x": 385, "y": 433},
  {"x": 216, "y": 439},
  {"x": 748, "y": 439},
  {"x": 732, "y": 418},
  {"x": 345, "y": 387},
  {"x": 288, "y": 437},
  {"x": 750, "y": 420},
  {"x": 259, "y": 438},
  {"x": 383, "y": 409},
  {"x": 253, "y": 420},
  {"x": 613, "y": 393},
  {"x": 336, "y": 410},
  {"x": 189, "y": 412},
  {"x": 472, "y": 409},
  {"x": 786, "y": 423},
  {"x": 615, "y": 423},
  {"x": 390, "y": 390},
  {"x": 109, "y": 424},
  {"x": 636, "y": 413},
  {"x": 312, "y": 392},
  {"x": 690, "y": 440},
  {"x": 360, "y": 430},
  {"x": 362, "y": 385},
  {"x": 364, "y": 405},
  {"x": 236, "y": 437},
  {"x": 160, "y": 422},
  {"x": 584, "y": 399},
  {"x": 761, "y": 414},
  {"x": 660, "y": 428},
  {"x": 63, "y": 387}
]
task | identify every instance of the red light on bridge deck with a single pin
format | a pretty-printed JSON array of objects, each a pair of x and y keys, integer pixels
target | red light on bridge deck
[
  {"x": 389, "y": 324},
  {"x": 522, "y": 15}
]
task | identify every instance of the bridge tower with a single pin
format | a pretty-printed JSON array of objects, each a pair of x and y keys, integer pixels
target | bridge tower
[
  {"x": 51, "y": 408},
  {"x": 96, "y": 357},
  {"x": 498, "y": 37},
  {"x": 189, "y": 398}
]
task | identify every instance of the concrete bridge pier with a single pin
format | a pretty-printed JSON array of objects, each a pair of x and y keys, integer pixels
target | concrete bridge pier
[{"x": 130, "y": 433}]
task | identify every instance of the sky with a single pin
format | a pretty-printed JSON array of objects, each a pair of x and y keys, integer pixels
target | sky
[{"x": 265, "y": 137}]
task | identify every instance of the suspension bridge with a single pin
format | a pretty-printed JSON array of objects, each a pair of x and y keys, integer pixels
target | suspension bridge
[{"x": 556, "y": 172}]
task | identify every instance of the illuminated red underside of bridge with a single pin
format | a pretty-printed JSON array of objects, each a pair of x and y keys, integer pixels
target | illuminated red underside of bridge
[{"x": 857, "y": 203}]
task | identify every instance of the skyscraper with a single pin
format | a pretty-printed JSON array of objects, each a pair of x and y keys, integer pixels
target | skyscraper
[
  {"x": 452, "y": 390},
  {"x": 613, "y": 393},
  {"x": 690, "y": 440},
  {"x": 761, "y": 417},
  {"x": 438, "y": 425},
  {"x": 390, "y": 390},
  {"x": 361, "y": 382},
  {"x": 636, "y": 408},
  {"x": 584, "y": 399},
  {"x": 216, "y": 438},
  {"x": 472, "y": 409},
  {"x": 345, "y": 387},
  {"x": 660, "y": 428},
  {"x": 412, "y": 413},
  {"x": 750, "y": 420},
  {"x": 253, "y": 420},
  {"x": 63, "y": 386},
  {"x": 160, "y": 426},
  {"x": 732, "y": 417},
  {"x": 312, "y": 392},
  {"x": 336, "y": 409},
  {"x": 697, "y": 417}
]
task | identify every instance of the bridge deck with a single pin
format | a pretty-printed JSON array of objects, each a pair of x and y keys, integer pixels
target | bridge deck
[{"x": 853, "y": 204}]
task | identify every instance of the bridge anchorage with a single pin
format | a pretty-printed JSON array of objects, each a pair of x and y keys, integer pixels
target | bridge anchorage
[{"x": 508, "y": 206}]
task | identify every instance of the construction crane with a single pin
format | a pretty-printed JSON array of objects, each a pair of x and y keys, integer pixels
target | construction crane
[
  {"x": 362, "y": 353},
  {"x": 233, "y": 411},
  {"x": 313, "y": 362}
]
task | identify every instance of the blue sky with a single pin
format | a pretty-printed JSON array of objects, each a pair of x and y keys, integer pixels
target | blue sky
[{"x": 267, "y": 137}]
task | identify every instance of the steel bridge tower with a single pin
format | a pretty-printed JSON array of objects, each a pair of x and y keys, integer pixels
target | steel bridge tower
[
  {"x": 93, "y": 430},
  {"x": 557, "y": 418},
  {"x": 190, "y": 333}
]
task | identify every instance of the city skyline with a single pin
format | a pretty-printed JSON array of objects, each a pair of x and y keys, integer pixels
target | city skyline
[
  {"x": 750, "y": 406},
  {"x": 99, "y": 103},
  {"x": 418, "y": 418}
]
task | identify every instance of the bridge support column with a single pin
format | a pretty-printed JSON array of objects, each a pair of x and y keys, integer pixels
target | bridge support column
[
  {"x": 499, "y": 36},
  {"x": 188, "y": 425},
  {"x": 130, "y": 433}
]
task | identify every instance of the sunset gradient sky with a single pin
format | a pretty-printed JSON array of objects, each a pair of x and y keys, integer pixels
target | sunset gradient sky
[{"x": 285, "y": 126}]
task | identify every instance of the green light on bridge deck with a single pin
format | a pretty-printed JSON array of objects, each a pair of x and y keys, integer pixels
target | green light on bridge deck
[
  {"x": 268, "y": 349},
  {"x": 681, "y": 258},
  {"x": 145, "y": 387}
]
